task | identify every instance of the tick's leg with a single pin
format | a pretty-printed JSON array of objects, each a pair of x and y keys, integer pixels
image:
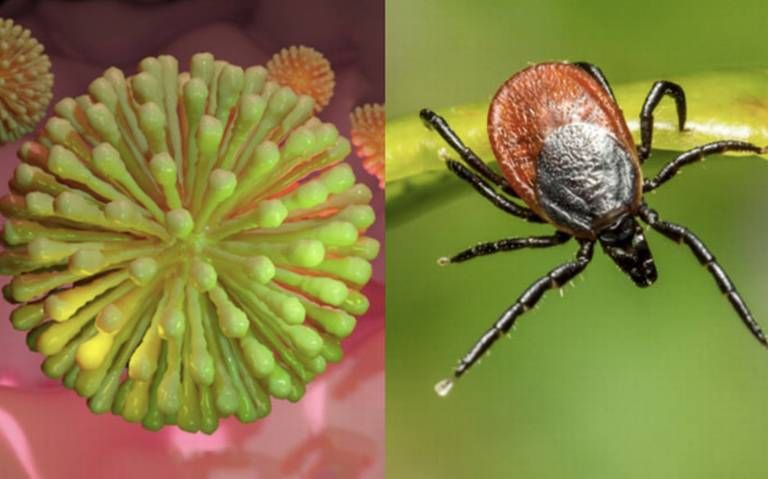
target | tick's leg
[
  {"x": 681, "y": 234},
  {"x": 697, "y": 154},
  {"x": 489, "y": 193},
  {"x": 507, "y": 244},
  {"x": 433, "y": 121},
  {"x": 554, "y": 279},
  {"x": 658, "y": 90},
  {"x": 597, "y": 74}
]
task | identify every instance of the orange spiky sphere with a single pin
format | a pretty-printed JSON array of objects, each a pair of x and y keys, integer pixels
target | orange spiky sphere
[
  {"x": 25, "y": 81},
  {"x": 306, "y": 71},
  {"x": 368, "y": 137}
]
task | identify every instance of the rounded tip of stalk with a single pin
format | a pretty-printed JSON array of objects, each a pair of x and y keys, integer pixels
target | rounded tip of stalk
[{"x": 180, "y": 223}]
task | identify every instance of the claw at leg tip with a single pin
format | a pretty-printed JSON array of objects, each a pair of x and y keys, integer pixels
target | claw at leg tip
[
  {"x": 443, "y": 387},
  {"x": 426, "y": 116}
]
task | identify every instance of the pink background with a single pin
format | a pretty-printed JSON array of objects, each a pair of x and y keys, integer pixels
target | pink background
[{"x": 337, "y": 429}]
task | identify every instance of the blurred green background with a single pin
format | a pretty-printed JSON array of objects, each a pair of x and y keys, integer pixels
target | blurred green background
[{"x": 611, "y": 381}]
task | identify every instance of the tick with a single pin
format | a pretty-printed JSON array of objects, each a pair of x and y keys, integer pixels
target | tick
[{"x": 564, "y": 149}]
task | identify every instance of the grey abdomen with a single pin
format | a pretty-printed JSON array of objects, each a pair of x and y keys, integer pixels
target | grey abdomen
[{"x": 585, "y": 177}]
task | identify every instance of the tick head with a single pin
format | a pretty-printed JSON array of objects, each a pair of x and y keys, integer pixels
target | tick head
[{"x": 625, "y": 243}]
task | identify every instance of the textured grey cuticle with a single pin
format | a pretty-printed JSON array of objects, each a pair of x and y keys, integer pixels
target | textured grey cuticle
[{"x": 584, "y": 177}]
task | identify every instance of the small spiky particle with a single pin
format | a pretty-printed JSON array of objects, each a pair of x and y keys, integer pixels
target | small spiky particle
[
  {"x": 186, "y": 245},
  {"x": 25, "y": 81},
  {"x": 368, "y": 137},
  {"x": 306, "y": 71}
]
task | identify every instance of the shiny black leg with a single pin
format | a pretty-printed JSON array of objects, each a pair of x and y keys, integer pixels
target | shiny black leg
[
  {"x": 658, "y": 90},
  {"x": 490, "y": 194},
  {"x": 507, "y": 244},
  {"x": 697, "y": 154},
  {"x": 554, "y": 279},
  {"x": 433, "y": 121},
  {"x": 597, "y": 74},
  {"x": 681, "y": 234}
]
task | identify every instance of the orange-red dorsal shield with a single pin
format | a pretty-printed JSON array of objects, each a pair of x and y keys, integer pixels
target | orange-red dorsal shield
[{"x": 535, "y": 102}]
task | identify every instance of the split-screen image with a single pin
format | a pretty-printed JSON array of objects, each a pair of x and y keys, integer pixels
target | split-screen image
[{"x": 382, "y": 239}]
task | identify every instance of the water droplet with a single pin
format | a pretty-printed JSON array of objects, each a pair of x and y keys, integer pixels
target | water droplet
[{"x": 444, "y": 387}]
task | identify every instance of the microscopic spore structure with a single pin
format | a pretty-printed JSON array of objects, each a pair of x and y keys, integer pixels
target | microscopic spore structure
[{"x": 186, "y": 246}]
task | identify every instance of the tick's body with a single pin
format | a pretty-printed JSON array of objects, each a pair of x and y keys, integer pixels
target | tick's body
[{"x": 564, "y": 149}]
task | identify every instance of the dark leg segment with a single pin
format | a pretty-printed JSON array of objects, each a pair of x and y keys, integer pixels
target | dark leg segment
[
  {"x": 681, "y": 234},
  {"x": 697, "y": 154},
  {"x": 489, "y": 193},
  {"x": 433, "y": 121},
  {"x": 554, "y": 279},
  {"x": 658, "y": 90},
  {"x": 597, "y": 74},
  {"x": 507, "y": 244}
]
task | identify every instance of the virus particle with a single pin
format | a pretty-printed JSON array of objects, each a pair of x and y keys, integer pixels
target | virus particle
[
  {"x": 186, "y": 245},
  {"x": 306, "y": 71},
  {"x": 368, "y": 137},
  {"x": 25, "y": 81}
]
